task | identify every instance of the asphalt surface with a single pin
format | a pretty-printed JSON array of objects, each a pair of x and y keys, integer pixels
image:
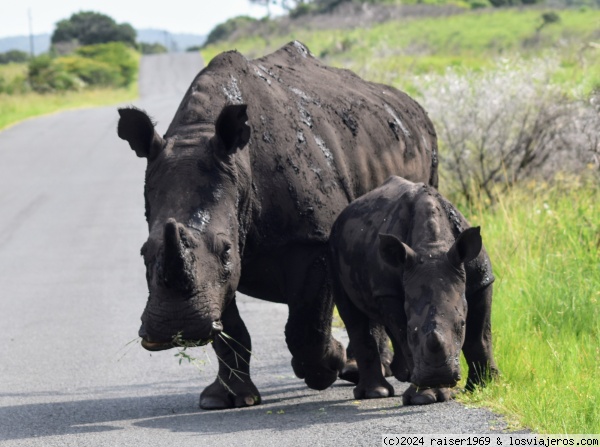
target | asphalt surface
[{"x": 72, "y": 289}]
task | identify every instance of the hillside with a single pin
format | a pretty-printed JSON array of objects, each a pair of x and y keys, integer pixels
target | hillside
[{"x": 174, "y": 41}]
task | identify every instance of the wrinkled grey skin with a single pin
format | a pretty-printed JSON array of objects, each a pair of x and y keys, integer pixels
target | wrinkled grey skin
[
  {"x": 405, "y": 260},
  {"x": 241, "y": 193}
]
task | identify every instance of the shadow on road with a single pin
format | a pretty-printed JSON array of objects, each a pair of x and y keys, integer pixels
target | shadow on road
[{"x": 179, "y": 413}]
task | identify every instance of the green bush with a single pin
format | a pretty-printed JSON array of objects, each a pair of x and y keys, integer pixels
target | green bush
[
  {"x": 46, "y": 76},
  {"x": 115, "y": 54},
  {"x": 13, "y": 56},
  {"x": 13, "y": 86},
  {"x": 151, "y": 48},
  {"x": 103, "y": 65},
  {"x": 91, "y": 71}
]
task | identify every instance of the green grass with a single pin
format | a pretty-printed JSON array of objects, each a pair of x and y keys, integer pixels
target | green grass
[
  {"x": 19, "y": 106},
  {"x": 15, "y": 108},
  {"x": 394, "y": 51},
  {"x": 544, "y": 242}
]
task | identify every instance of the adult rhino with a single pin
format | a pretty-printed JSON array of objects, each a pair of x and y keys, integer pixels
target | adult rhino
[{"x": 232, "y": 206}]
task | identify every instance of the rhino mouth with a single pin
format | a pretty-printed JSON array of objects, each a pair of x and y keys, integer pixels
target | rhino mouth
[
  {"x": 164, "y": 345},
  {"x": 157, "y": 346},
  {"x": 435, "y": 380},
  {"x": 175, "y": 343}
]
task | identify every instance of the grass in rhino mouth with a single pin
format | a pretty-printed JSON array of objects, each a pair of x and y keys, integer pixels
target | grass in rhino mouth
[{"x": 183, "y": 354}]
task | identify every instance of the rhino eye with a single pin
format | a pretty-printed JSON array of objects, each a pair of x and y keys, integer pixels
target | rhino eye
[{"x": 225, "y": 255}]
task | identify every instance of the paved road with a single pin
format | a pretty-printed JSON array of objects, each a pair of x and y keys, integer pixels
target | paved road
[{"x": 72, "y": 289}]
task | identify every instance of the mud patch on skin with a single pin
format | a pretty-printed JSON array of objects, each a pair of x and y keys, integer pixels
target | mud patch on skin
[
  {"x": 326, "y": 152},
  {"x": 349, "y": 120},
  {"x": 301, "y": 49},
  {"x": 232, "y": 91},
  {"x": 262, "y": 76},
  {"x": 200, "y": 220},
  {"x": 396, "y": 123}
]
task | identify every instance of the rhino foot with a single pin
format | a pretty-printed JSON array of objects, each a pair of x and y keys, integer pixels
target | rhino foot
[
  {"x": 350, "y": 371},
  {"x": 374, "y": 391},
  {"x": 321, "y": 375},
  {"x": 220, "y": 395},
  {"x": 426, "y": 396}
]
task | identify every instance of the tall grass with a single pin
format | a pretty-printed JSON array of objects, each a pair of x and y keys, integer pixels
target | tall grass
[
  {"x": 15, "y": 108},
  {"x": 544, "y": 242},
  {"x": 393, "y": 51},
  {"x": 22, "y": 103}
]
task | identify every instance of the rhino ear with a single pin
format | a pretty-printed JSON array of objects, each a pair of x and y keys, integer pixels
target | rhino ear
[
  {"x": 137, "y": 128},
  {"x": 466, "y": 247},
  {"x": 231, "y": 129},
  {"x": 396, "y": 253}
]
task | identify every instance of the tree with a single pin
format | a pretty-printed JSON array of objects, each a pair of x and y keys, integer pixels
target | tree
[
  {"x": 13, "y": 56},
  {"x": 89, "y": 28}
]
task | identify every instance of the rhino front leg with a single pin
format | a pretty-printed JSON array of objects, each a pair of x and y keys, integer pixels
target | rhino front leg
[
  {"x": 478, "y": 338},
  {"x": 316, "y": 356},
  {"x": 233, "y": 387},
  {"x": 366, "y": 347},
  {"x": 350, "y": 371}
]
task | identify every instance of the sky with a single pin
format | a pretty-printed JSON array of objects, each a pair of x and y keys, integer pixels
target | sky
[{"x": 175, "y": 16}]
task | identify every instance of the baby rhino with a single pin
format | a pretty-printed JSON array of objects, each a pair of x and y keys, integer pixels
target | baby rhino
[{"x": 405, "y": 260}]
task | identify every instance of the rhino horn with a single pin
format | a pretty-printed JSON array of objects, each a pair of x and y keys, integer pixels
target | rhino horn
[{"x": 177, "y": 266}]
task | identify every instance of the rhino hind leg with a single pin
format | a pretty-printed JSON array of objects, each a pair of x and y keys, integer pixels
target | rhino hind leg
[
  {"x": 316, "y": 356},
  {"x": 233, "y": 387},
  {"x": 426, "y": 396},
  {"x": 477, "y": 347}
]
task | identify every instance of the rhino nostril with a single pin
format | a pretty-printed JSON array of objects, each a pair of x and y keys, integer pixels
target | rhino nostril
[{"x": 217, "y": 327}]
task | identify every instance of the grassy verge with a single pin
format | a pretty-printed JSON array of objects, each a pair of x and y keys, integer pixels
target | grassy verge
[
  {"x": 19, "y": 105},
  {"x": 391, "y": 52},
  {"x": 15, "y": 108},
  {"x": 544, "y": 242}
]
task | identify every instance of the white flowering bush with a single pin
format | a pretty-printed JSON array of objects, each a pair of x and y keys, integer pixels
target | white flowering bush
[{"x": 498, "y": 126}]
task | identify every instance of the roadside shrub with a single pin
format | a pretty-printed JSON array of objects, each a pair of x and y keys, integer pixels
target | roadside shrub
[
  {"x": 115, "y": 54},
  {"x": 104, "y": 65},
  {"x": 46, "y": 76},
  {"x": 91, "y": 71},
  {"x": 152, "y": 48},
  {"x": 13, "y": 56},
  {"x": 13, "y": 86},
  {"x": 506, "y": 124}
]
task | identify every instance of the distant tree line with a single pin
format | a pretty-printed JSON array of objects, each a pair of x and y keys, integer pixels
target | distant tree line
[{"x": 88, "y": 49}]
